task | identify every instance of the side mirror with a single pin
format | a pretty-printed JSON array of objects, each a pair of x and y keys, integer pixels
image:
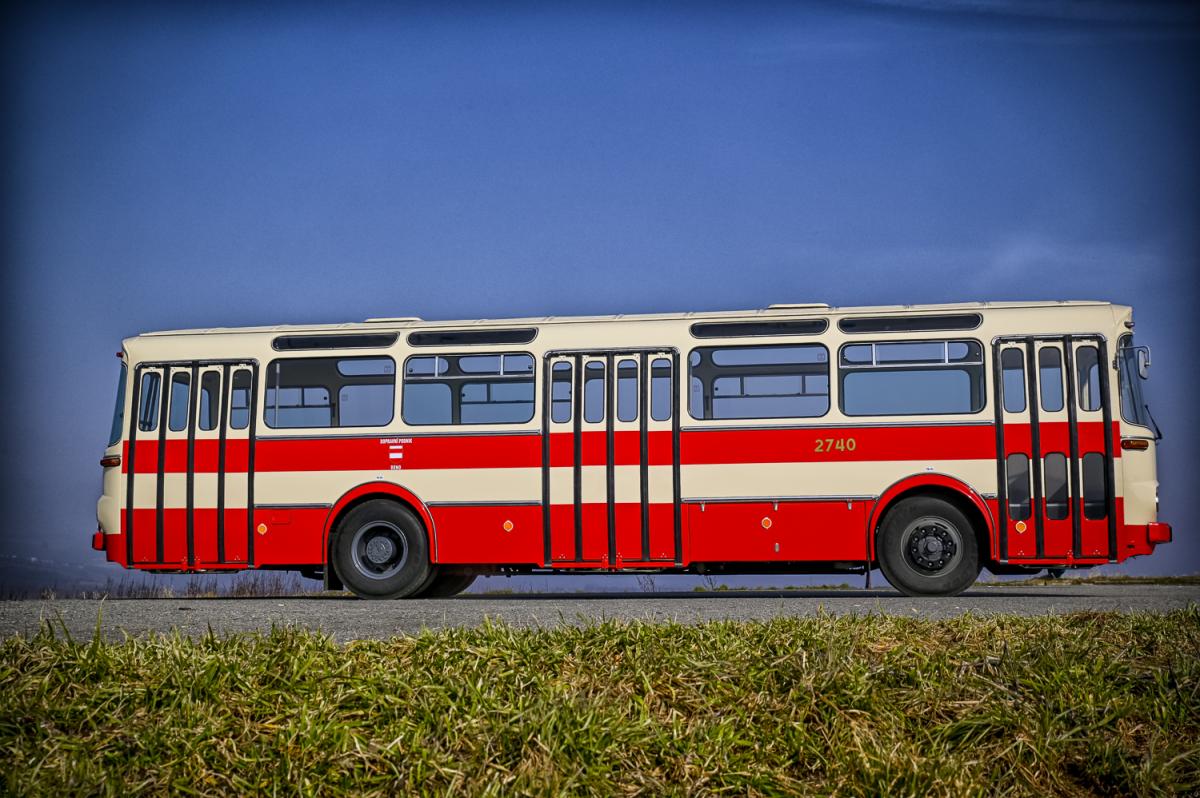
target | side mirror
[{"x": 1143, "y": 361}]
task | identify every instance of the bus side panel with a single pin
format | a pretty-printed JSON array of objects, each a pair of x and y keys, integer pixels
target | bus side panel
[
  {"x": 787, "y": 531},
  {"x": 502, "y": 534},
  {"x": 289, "y": 536}
]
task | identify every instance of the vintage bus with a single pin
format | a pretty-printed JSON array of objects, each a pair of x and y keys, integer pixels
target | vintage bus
[{"x": 403, "y": 458}]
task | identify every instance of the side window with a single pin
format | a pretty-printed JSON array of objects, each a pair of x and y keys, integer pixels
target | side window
[
  {"x": 239, "y": 400},
  {"x": 1017, "y": 466},
  {"x": 118, "y": 424},
  {"x": 560, "y": 391},
  {"x": 180, "y": 393},
  {"x": 1087, "y": 367},
  {"x": 627, "y": 390},
  {"x": 782, "y": 381},
  {"x": 912, "y": 378},
  {"x": 148, "y": 404},
  {"x": 330, "y": 392},
  {"x": 662, "y": 382},
  {"x": 1054, "y": 466},
  {"x": 593, "y": 392},
  {"x": 1050, "y": 378},
  {"x": 210, "y": 392},
  {"x": 1012, "y": 364},
  {"x": 468, "y": 389},
  {"x": 1095, "y": 503}
]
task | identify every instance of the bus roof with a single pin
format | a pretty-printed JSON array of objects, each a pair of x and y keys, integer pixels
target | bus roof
[{"x": 788, "y": 310}]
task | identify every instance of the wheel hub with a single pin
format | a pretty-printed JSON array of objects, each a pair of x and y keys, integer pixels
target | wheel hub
[
  {"x": 931, "y": 547},
  {"x": 380, "y": 549}
]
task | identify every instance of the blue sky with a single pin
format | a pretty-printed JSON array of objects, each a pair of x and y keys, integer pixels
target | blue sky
[{"x": 223, "y": 165}]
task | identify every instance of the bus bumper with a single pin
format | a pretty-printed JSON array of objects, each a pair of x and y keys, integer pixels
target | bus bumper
[{"x": 1159, "y": 533}]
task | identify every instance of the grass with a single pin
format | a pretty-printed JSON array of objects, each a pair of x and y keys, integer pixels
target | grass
[{"x": 1085, "y": 704}]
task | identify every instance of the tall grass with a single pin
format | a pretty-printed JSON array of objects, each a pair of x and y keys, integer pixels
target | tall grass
[{"x": 1083, "y": 704}]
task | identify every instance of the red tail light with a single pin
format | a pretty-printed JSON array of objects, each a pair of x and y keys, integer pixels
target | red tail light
[{"x": 111, "y": 461}]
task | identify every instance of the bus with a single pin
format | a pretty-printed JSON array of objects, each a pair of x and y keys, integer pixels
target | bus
[{"x": 404, "y": 458}]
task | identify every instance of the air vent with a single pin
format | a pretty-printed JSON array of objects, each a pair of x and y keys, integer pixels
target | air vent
[
  {"x": 738, "y": 329},
  {"x": 514, "y": 335},
  {"x": 882, "y": 324},
  {"x": 353, "y": 341}
]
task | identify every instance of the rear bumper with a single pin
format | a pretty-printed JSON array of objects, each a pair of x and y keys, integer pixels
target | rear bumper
[{"x": 1159, "y": 533}]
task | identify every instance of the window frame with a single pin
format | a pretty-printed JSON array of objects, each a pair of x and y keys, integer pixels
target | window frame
[
  {"x": 982, "y": 364},
  {"x": 268, "y": 385},
  {"x": 686, "y": 380},
  {"x": 457, "y": 382}
]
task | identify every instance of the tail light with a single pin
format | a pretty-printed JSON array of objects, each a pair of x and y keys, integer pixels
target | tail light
[
  {"x": 111, "y": 460},
  {"x": 1136, "y": 444}
]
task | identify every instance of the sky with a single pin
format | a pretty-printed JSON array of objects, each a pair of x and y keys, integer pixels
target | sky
[{"x": 224, "y": 164}]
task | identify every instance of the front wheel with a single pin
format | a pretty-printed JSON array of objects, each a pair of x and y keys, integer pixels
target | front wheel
[
  {"x": 926, "y": 547},
  {"x": 381, "y": 551}
]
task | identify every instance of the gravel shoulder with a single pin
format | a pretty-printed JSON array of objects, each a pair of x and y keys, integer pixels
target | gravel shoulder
[{"x": 347, "y": 618}]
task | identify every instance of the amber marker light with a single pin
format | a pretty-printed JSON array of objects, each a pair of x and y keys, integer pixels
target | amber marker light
[
  {"x": 1137, "y": 444},
  {"x": 110, "y": 461}
]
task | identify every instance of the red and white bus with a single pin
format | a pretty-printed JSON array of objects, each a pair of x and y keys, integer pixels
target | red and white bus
[{"x": 402, "y": 458}]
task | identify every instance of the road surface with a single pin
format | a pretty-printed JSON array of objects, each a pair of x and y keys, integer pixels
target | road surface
[{"x": 347, "y": 618}]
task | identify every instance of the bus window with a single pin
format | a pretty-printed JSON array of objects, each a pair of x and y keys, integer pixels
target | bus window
[
  {"x": 118, "y": 424},
  {"x": 148, "y": 405},
  {"x": 330, "y": 392},
  {"x": 180, "y": 391},
  {"x": 560, "y": 392},
  {"x": 1050, "y": 381},
  {"x": 1055, "y": 468},
  {"x": 1017, "y": 466},
  {"x": 759, "y": 382},
  {"x": 1087, "y": 364},
  {"x": 593, "y": 392},
  {"x": 210, "y": 389},
  {"x": 1012, "y": 363},
  {"x": 660, "y": 389},
  {"x": 468, "y": 389},
  {"x": 1095, "y": 501},
  {"x": 627, "y": 390},
  {"x": 239, "y": 400},
  {"x": 912, "y": 378}
]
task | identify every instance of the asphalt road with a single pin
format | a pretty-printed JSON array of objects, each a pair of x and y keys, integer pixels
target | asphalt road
[{"x": 346, "y": 618}]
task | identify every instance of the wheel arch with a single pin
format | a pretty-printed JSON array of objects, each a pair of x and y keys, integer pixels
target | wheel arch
[
  {"x": 940, "y": 486},
  {"x": 377, "y": 490}
]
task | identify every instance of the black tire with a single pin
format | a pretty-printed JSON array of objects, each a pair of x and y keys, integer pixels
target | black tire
[
  {"x": 447, "y": 585},
  {"x": 381, "y": 551},
  {"x": 927, "y": 547}
]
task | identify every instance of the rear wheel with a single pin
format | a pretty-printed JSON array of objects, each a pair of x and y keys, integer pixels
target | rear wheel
[
  {"x": 381, "y": 551},
  {"x": 446, "y": 585},
  {"x": 927, "y": 547}
]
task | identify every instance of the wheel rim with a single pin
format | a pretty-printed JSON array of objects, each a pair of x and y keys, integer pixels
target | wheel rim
[
  {"x": 378, "y": 550},
  {"x": 932, "y": 546}
]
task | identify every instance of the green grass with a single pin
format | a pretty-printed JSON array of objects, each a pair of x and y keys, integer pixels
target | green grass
[{"x": 1086, "y": 704}]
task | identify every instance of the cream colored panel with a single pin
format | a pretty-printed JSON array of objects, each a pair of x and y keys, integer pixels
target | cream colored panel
[
  {"x": 595, "y": 487},
  {"x": 1138, "y": 475},
  {"x": 825, "y": 479},
  {"x": 204, "y": 490},
  {"x": 429, "y": 485}
]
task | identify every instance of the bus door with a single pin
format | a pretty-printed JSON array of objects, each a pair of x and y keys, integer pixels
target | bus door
[
  {"x": 190, "y": 466},
  {"x": 1055, "y": 443},
  {"x": 610, "y": 477}
]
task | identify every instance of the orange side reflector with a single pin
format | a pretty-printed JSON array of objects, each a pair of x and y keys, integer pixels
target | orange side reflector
[
  {"x": 111, "y": 461},
  {"x": 1137, "y": 444}
]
